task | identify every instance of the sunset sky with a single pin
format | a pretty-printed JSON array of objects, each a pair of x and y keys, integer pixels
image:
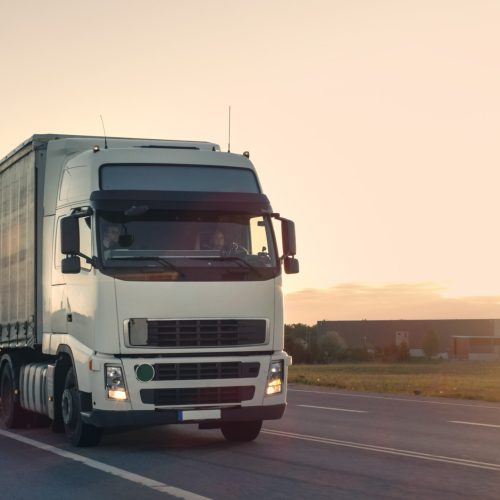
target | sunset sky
[{"x": 374, "y": 124}]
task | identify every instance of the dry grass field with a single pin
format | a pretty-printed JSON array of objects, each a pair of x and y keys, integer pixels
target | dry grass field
[{"x": 467, "y": 380}]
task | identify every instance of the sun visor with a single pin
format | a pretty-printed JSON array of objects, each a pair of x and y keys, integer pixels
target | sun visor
[{"x": 122, "y": 200}]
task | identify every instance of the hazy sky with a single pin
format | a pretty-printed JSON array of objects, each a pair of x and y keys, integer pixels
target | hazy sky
[{"x": 375, "y": 125}]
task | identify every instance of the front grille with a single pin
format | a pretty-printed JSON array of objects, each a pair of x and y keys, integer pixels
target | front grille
[
  {"x": 206, "y": 332},
  {"x": 197, "y": 395},
  {"x": 204, "y": 371}
]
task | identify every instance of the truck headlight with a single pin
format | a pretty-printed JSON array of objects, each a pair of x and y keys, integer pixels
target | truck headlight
[
  {"x": 115, "y": 383},
  {"x": 275, "y": 378}
]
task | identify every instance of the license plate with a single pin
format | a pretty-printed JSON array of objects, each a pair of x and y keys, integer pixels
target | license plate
[{"x": 185, "y": 415}]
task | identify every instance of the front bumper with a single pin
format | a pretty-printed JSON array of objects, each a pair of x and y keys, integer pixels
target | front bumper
[
  {"x": 244, "y": 390},
  {"x": 103, "y": 418}
]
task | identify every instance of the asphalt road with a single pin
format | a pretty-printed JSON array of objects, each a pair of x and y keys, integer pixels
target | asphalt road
[{"x": 330, "y": 444}]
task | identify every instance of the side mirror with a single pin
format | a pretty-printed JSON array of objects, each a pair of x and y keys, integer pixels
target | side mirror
[
  {"x": 71, "y": 265},
  {"x": 70, "y": 236},
  {"x": 288, "y": 235},
  {"x": 291, "y": 265}
]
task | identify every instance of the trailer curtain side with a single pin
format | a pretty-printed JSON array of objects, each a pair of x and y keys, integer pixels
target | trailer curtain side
[{"x": 17, "y": 250}]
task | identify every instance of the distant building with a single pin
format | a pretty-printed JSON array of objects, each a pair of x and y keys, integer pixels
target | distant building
[{"x": 458, "y": 338}]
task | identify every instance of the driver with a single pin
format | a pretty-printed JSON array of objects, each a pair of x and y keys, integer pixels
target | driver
[{"x": 111, "y": 237}]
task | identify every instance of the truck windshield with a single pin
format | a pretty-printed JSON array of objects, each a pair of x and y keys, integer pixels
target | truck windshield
[{"x": 193, "y": 246}]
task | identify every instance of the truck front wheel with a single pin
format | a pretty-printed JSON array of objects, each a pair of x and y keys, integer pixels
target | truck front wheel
[
  {"x": 77, "y": 432},
  {"x": 12, "y": 413},
  {"x": 241, "y": 431}
]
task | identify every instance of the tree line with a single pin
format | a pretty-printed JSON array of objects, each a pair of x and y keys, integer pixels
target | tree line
[{"x": 304, "y": 344}]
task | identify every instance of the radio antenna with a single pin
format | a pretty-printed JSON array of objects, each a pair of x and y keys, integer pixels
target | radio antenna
[
  {"x": 229, "y": 132},
  {"x": 104, "y": 130}
]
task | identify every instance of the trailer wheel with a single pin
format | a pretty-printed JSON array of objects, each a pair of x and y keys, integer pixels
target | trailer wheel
[
  {"x": 12, "y": 414},
  {"x": 78, "y": 432},
  {"x": 241, "y": 431}
]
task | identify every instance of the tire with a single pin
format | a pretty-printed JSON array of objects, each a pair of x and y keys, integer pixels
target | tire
[
  {"x": 77, "y": 432},
  {"x": 62, "y": 367},
  {"x": 241, "y": 431},
  {"x": 13, "y": 416}
]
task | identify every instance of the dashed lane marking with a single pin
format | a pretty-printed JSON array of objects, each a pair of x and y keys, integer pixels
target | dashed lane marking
[
  {"x": 473, "y": 423},
  {"x": 333, "y": 409}
]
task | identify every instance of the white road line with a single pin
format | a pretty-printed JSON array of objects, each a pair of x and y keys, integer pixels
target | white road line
[
  {"x": 473, "y": 423},
  {"x": 110, "y": 469},
  {"x": 334, "y": 409},
  {"x": 383, "y": 449},
  {"x": 408, "y": 400}
]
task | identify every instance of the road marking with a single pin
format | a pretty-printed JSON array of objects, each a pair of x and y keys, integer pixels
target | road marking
[
  {"x": 110, "y": 469},
  {"x": 473, "y": 423},
  {"x": 334, "y": 409},
  {"x": 408, "y": 400},
  {"x": 383, "y": 449}
]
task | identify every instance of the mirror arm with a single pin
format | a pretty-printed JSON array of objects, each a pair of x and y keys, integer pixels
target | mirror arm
[
  {"x": 277, "y": 216},
  {"x": 93, "y": 261},
  {"x": 79, "y": 212}
]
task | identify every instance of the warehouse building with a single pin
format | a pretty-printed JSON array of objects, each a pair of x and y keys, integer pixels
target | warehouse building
[{"x": 474, "y": 339}]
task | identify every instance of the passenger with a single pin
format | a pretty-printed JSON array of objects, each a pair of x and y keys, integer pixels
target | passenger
[{"x": 217, "y": 241}]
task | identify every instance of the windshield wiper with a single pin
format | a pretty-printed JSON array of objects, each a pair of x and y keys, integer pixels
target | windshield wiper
[
  {"x": 164, "y": 262},
  {"x": 240, "y": 261}
]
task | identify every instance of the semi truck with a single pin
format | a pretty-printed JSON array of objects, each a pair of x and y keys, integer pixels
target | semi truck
[{"x": 140, "y": 284}]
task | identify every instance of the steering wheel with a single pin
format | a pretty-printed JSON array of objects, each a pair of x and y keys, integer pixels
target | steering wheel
[{"x": 236, "y": 250}]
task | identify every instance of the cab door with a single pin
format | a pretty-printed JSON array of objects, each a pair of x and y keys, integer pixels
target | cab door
[{"x": 58, "y": 289}]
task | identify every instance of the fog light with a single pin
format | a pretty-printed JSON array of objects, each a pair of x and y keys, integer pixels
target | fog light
[
  {"x": 275, "y": 378},
  {"x": 145, "y": 372},
  {"x": 115, "y": 383}
]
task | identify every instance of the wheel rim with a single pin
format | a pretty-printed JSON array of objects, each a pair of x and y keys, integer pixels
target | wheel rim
[{"x": 68, "y": 407}]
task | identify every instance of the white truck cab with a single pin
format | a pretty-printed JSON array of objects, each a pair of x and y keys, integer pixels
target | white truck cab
[{"x": 156, "y": 292}]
